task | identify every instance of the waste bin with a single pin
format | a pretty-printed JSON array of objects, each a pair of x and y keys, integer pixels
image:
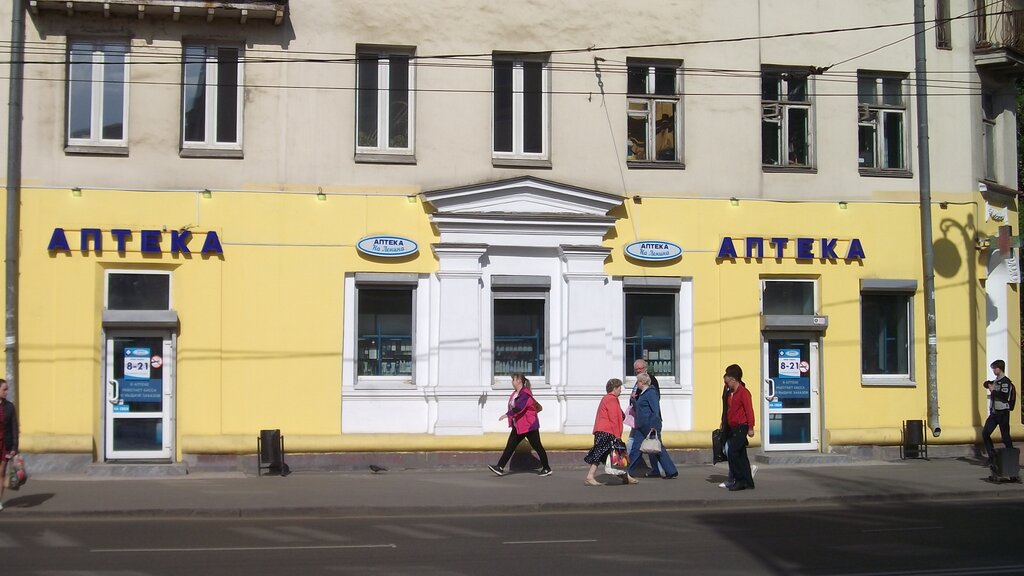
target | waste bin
[
  {"x": 915, "y": 443},
  {"x": 270, "y": 446}
]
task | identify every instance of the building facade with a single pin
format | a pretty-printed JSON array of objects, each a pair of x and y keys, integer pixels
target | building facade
[{"x": 354, "y": 221}]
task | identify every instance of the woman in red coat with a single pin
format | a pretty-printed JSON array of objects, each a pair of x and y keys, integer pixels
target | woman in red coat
[{"x": 607, "y": 427}]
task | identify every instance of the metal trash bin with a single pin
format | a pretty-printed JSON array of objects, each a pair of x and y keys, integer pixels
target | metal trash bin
[
  {"x": 270, "y": 450},
  {"x": 915, "y": 441}
]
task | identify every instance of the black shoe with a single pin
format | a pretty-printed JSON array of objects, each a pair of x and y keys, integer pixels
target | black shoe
[
  {"x": 737, "y": 487},
  {"x": 672, "y": 476},
  {"x": 496, "y": 469},
  {"x": 544, "y": 472},
  {"x": 652, "y": 475}
]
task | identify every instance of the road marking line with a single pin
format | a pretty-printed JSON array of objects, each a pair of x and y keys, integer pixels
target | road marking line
[
  {"x": 904, "y": 529},
  {"x": 410, "y": 532},
  {"x": 240, "y": 548},
  {"x": 550, "y": 542}
]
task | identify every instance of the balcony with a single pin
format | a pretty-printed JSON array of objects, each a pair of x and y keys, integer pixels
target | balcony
[
  {"x": 999, "y": 48},
  {"x": 238, "y": 10}
]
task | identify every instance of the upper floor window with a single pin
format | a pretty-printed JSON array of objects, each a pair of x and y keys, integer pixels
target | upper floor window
[
  {"x": 138, "y": 290},
  {"x": 943, "y": 27},
  {"x": 212, "y": 97},
  {"x": 653, "y": 121},
  {"x": 988, "y": 133},
  {"x": 882, "y": 128},
  {"x": 384, "y": 102},
  {"x": 521, "y": 107},
  {"x": 786, "y": 119},
  {"x": 97, "y": 94}
]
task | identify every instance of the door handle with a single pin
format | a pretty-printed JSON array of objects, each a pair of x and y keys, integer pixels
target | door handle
[
  {"x": 113, "y": 395},
  {"x": 770, "y": 396}
]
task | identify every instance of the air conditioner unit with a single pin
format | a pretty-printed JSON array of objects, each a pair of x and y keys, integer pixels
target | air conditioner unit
[
  {"x": 770, "y": 111},
  {"x": 863, "y": 113}
]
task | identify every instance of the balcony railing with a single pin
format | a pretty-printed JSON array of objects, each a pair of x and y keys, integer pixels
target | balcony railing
[
  {"x": 241, "y": 10},
  {"x": 999, "y": 44}
]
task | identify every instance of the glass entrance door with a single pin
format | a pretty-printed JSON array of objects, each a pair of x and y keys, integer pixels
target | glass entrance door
[
  {"x": 139, "y": 396},
  {"x": 790, "y": 394}
]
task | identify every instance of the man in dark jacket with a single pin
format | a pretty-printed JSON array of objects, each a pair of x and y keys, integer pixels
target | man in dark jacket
[{"x": 999, "y": 410}]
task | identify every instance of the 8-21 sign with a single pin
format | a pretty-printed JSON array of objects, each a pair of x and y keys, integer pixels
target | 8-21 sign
[{"x": 136, "y": 363}]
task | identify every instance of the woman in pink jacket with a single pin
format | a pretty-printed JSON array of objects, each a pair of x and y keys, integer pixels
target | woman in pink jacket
[
  {"x": 522, "y": 418},
  {"x": 607, "y": 427}
]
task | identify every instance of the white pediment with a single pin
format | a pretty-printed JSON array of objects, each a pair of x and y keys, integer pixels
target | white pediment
[{"x": 522, "y": 196}]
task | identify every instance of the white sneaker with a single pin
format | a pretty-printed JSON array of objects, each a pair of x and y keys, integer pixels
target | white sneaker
[
  {"x": 753, "y": 470},
  {"x": 722, "y": 485},
  {"x": 1, "y": 505}
]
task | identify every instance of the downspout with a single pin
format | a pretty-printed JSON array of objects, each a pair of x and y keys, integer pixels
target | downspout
[
  {"x": 921, "y": 85},
  {"x": 14, "y": 114}
]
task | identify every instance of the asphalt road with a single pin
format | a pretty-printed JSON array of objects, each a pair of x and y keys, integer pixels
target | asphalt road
[{"x": 942, "y": 538}]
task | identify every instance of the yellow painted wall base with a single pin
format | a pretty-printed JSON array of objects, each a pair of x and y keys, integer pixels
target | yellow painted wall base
[{"x": 57, "y": 443}]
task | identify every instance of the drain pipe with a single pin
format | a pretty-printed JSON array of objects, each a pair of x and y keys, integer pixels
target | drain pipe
[
  {"x": 920, "y": 79},
  {"x": 14, "y": 113}
]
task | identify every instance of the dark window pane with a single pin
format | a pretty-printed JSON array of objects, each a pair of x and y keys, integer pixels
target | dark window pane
[
  {"x": 502, "y": 106},
  {"x": 367, "y": 85},
  {"x": 385, "y": 332},
  {"x": 770, "y": 143},
  {"x": 113, "y": 94},
  {"x": 769, "y": 86},
  {"x": 650, "y": 332},
  {"x": 533, "y": 107},
  {"x": 892, "y": 91},
  {"x": 636, "y": 81},
  {"x": 788, "y": 298},
  {"x": 665, "y": 131},
  {"x": 138, "y": 434},
  {"x": 799, "y": 148},
  {"x": 893, "y": 140},
  {"x": 797, "y": 89},
  {"x": 665, "y": 81},
  {"x": 80, "y": 93},
  {"x": 866, "y": 145},
  {"x": 636, "y": 130},
  {"x": 195, "y": 94},
  {"x": 885, "y": 334},
  {"x": 227, "y": 95},
  {"x": 138, "y": 292},
  {"x": 867, "y": 90},
  {"x": 519, "y": 336},
  {"x": 398, "y": 102}
]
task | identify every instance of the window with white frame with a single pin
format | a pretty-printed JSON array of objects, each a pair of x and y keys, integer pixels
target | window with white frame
[
  {"x": 943, "y": 26},
  {"x": 653, "y": 117},
  {"x": 384, "y": 101},
  {"x": 97, "y": 113},
  {"x": 786, "y": 119},
  {"x": 384, "y": 330},
  {"x": 519, "y": 323},
  {"x": 651, "y": 331},
  {"x": 988, "y": 133},
  {"x": 521, "y": 107},
  {"x": 882, "y": 129},
  {"x": 212, "y": 95},
  {"x": 886, "y": 335}
]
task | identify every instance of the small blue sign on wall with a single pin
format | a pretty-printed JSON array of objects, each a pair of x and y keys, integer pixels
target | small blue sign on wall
[
  {"x": 387, "y": 246},
  {"x": 654, "y": 250}
]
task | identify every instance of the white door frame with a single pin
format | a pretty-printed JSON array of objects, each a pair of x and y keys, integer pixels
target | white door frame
[
  {"x": 114, "y": 407},
  {"x": 770, "y": 404}
]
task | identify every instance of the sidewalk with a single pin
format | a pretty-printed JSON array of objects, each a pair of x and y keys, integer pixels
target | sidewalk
[{"x": 395, "y": 492}]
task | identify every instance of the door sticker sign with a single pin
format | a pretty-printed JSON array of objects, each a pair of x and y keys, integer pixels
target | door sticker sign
[
  {"x": 789, "y": 363},
  {"x": 137, "y": 363},
  {"x": 156, "y": 361}
]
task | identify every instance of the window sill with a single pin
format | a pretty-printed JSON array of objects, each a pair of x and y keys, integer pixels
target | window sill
[
  {"x": 889, "y": 382},
  {"x": 520, "y": 163},
  {"x": 789, "y": 169},
  {"x": 878, "y": 173},
  {"x": 384, "y": 383},
  {"x": 96, "y": 150},
  {"x": 371, "y": 158},
  {"x": 642, "y": 165},
  {"x": 210, "y": 153}
]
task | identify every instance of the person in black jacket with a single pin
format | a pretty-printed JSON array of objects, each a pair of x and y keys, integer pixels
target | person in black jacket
[
  {"x": 8, "y": 435},
  {"x": 1000, "y": 390}
]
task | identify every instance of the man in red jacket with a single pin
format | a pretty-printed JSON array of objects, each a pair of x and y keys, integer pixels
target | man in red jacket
[{"x": 740, "y": 417}]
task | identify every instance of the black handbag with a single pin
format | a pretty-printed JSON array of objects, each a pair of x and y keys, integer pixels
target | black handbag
[{"x": 717, "y": 447}]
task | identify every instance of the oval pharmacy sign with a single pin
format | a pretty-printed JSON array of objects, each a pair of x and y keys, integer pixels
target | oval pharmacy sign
[
  {"x": 654, "y": 250},
  {"x": 387, "y": 246}
]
